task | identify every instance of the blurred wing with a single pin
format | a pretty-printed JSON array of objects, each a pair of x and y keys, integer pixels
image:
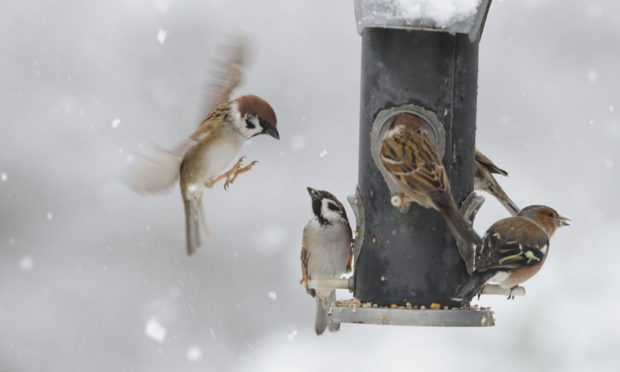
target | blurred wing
[
  {"x": 511, "y": 243},
  {"x": 213, "y": 120},
  {"x": 483, "y": 161},
  {"x": 158, "y": 172},
  {"x": 227, "y": 72}
]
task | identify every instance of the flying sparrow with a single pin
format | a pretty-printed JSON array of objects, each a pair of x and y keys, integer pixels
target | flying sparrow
[
  {"x": 326, "y": 250},
  {"x": 200, "y": 160},
  {"x": 412, "y": 161},
  {"x": 513, "y": 250},
  {"x": 485, "y": 181}
]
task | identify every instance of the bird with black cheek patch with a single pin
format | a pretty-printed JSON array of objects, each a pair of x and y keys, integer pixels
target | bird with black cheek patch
[
  {"x": 485, "y": 181},
  {"x": 326, "y": 251},
  {"x": 513, "y": 250},
  {"x": 200, "y": 160}
]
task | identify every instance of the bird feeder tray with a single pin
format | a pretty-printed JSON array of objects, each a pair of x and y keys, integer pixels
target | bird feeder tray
[{"x": 466, "y": 317}]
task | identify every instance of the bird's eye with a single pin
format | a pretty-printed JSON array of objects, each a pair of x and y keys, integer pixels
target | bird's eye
[
  {"x": 333, "y": 207},
  {"x": 249, "y": 124},
  {"x": 551, "y": 215}
]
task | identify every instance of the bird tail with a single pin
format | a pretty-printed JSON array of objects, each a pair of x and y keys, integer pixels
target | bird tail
[
  {"x": 322, "y": 307},
  {"x": 158, "y": 172},
  {"x": 195, "y": 227},
  {"x": 472, "y": 287},
  {"x": 463, "y": 231},
  {"x": 499, "y": 193}
]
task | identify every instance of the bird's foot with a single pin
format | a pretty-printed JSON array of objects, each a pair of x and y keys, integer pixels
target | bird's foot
[
  {"x": 511, "y": 296},
  {"x": 236, "y": 170},
  {"x": 231, "y": 175}
]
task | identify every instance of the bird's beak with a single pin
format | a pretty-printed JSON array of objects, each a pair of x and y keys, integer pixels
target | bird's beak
[
  {"x": 313, "y": 193},
  {"x": 563, "y": 221},
  {"x": 273, "y": 132}
]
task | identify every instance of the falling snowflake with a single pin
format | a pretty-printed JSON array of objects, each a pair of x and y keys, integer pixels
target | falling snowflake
[
  {"x": 116, "y": 122},
  {"x": 26, "y": 263},
  {"x": 272, "y": 295},
  {"x": 323, "y": 153},
  {"x": 212, "y": 334},
  {"x": 49, "y": 216},
  {"x": 291, "y": 336},
  {"x": 4, "y": 177},
  {"x": 194, "y": 353},
  {"x": 161, "y": 35},
  {"x": 155, "y": 330},
  {"x": 611, "y": 108}
]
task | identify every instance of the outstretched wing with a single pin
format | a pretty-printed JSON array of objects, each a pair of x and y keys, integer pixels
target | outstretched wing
[{"x": 227, "y": 72}]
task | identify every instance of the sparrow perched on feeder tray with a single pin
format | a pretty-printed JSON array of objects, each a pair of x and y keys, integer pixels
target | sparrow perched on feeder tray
[
  {"x": 485, "y": 181},
  {"x": 326, "y": 251},
  {"x": 200, "y": 160},
  {"x": 513, "y": 250},
  {"x": 411, "y": 159}
]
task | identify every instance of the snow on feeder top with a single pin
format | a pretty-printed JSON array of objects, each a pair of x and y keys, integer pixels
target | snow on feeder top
[{"x": 452, "y": 16}]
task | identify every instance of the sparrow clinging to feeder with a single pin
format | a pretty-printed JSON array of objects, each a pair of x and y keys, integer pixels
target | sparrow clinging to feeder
[
  {"x": 201, "y": 160},
  {"x": 326, "y": 251},
  {"x": 411, "y": 159},
  {"x": 513, "y": 250},
  {"x": 485, "y": 181}
]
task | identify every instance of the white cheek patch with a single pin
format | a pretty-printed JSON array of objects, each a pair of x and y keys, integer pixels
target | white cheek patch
[{"x": 327, "y": 213}]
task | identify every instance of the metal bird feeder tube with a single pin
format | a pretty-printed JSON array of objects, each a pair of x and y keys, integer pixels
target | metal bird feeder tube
[{"x": 412, "y": 257}]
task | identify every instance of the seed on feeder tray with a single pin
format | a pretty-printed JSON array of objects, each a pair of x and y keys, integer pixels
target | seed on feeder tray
[
  {"x": 366, "y": 304},
  {"x": 383, "y": 278},
  {"x": 435, "y": 306},
  {"x": 422, "y": 307},
  {"x": 393, "y": 306},
  {"x": 408, "y": 305},
  {"x": 374, "y": 240},
  {"x": 375, "y": 306},
  {"x": 483, "y": 320}
]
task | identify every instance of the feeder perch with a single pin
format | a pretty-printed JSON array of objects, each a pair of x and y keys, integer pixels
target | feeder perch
[{"x": 407, "y": 262}]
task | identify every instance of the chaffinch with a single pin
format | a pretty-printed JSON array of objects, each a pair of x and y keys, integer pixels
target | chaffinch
[
  {"x": 484, "y": 181},
  {"x": 513, "y": 250}
]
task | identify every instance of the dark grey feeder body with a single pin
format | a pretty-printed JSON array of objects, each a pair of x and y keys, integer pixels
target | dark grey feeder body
[{"x": 412, "y": 257}]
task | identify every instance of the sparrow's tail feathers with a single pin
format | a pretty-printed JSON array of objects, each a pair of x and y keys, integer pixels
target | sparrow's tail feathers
[
  {"x": 472, "y": 287},
  {"x": 499, "y": 193},
  {"x": 195, "y": 228},
  {"x": 158, "y": 172},
  {"x": 322, "y": 307},
  {"x": 463, "y": 231}
]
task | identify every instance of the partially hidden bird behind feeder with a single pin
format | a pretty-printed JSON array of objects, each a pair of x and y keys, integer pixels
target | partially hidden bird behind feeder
[
  {"x": 201, "y": 159},
  {"x": 412, "y": 161},
  {"x": 326, "y": 250},
  {"x": 485, "y": 181},
  {"x": 513, "y": 250}
]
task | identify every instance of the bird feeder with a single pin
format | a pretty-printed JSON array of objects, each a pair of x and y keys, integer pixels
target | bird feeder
[{"x": 408, "y": 266}]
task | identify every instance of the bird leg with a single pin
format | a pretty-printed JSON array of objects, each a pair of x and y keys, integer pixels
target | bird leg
[
  {"x": 304, "y": 280},
  {"x": 232, "y": 173},
  {"x": 510, "y": 295}
]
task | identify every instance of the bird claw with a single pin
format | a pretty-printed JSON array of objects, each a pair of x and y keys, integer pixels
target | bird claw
[
  {"x": 236, "y": 170},
  {"x": 511, "y": 296}
]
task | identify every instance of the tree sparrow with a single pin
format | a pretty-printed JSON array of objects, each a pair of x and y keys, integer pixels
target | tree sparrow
[
  {"x": 326, "y": 250},
  {"x": 412, "y": 161},
  {"x": 201, "y": 159},
  {"x": 485, "y": 181},
  {"x": 513, "y": 250}
]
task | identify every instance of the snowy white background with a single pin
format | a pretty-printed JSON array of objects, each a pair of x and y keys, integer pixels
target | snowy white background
[{"x": 94, "y": 277}]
